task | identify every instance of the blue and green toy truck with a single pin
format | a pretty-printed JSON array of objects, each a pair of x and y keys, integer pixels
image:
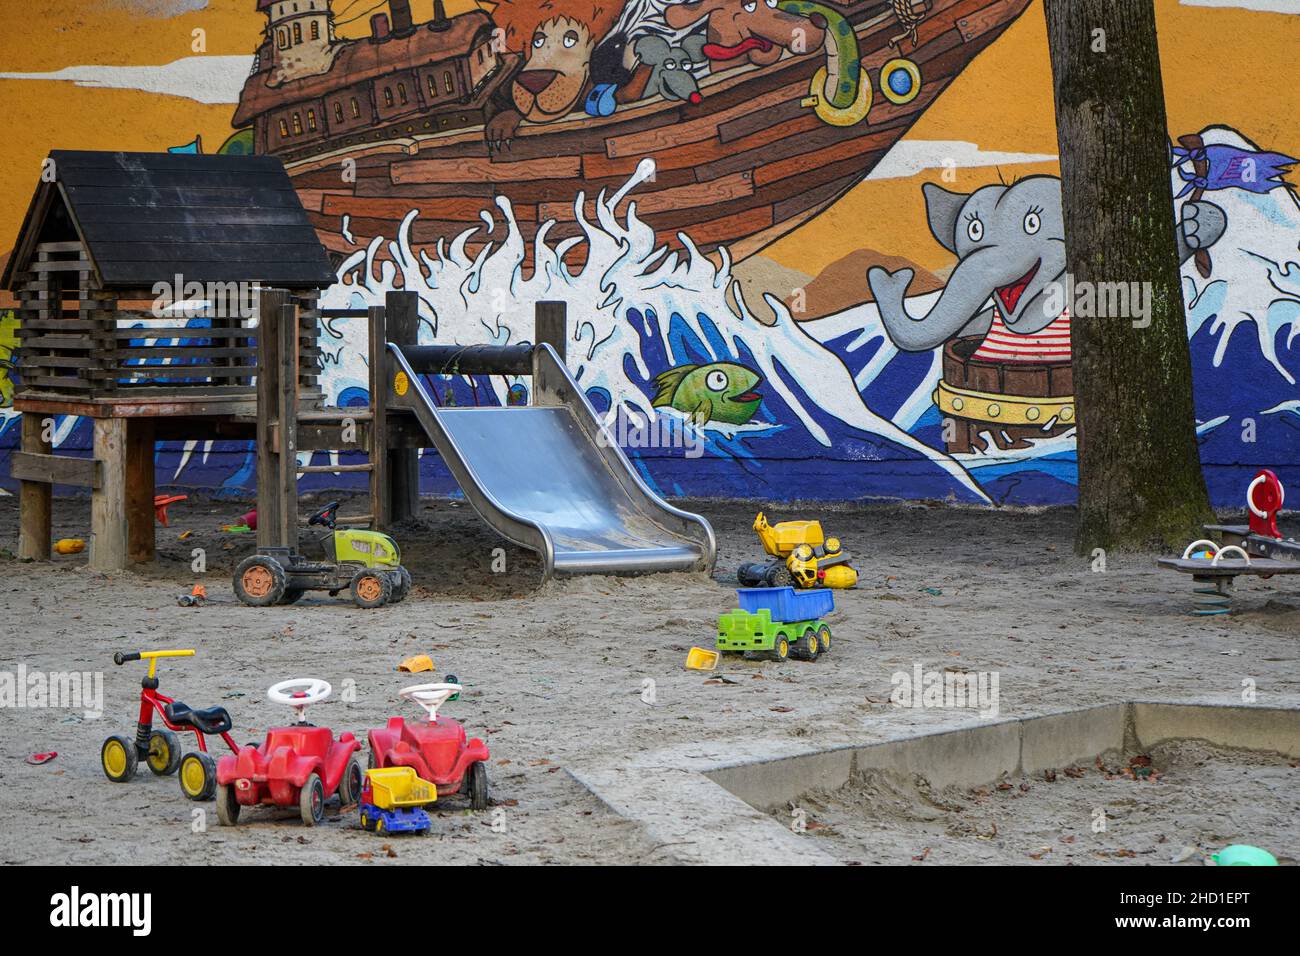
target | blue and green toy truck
[{"x": 778, "y": 623}]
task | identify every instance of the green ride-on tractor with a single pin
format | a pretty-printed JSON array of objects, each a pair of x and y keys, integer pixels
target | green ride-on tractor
[{"x": 367, "y": 563}]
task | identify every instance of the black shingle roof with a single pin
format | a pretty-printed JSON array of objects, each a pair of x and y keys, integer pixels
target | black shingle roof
[{"x": 147, "y": 217}]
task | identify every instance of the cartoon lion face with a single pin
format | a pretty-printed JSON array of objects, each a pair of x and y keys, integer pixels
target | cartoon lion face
[{"x": 557, "y": 38}]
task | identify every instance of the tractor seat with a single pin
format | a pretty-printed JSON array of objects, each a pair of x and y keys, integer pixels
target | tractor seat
[{"x": 209, "y": 720}]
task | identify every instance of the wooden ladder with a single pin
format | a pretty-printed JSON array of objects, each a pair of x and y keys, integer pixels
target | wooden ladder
[{"x": 285, "y": 427}]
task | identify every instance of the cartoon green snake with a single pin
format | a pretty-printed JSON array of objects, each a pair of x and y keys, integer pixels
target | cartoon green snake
[{"x": 842, "y": 69}]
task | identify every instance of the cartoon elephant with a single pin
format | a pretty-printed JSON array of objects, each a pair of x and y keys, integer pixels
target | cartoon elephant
[
  {"x": 670, "y": 66},
  {"x": 1010, "y": 246}
]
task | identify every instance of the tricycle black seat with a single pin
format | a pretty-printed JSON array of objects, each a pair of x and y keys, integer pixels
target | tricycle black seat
[{"x": 209, "y": 720}]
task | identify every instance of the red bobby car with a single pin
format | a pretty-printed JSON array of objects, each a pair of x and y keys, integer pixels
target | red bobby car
[
  {"x": 300, "y": 766},
  {"x": 437, "y": 748}
]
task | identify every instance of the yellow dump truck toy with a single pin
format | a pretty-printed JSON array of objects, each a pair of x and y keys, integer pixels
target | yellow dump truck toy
[{"x": 393, "y": 801}]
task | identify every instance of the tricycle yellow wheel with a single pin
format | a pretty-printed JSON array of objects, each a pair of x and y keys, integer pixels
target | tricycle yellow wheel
[
  {"x": 198, "y": 776},
  {"x": 164, "y": 753},
  {"x": 118, "y": 759}
]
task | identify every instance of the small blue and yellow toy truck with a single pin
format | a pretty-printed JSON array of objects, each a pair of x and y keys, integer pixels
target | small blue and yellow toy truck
[
  {"x": 393, "y": 801},
  {"x": 778, "y": 623}
]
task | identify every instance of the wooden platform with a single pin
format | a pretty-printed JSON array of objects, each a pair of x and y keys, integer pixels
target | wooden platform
[{"x": 1230, "y": 567}]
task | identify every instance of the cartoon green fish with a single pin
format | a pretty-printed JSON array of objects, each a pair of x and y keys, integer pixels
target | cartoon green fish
[{"x": 720, "y": 392}]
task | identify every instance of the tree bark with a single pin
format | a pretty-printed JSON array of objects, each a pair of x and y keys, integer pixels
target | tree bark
[{"x": 1140, "y": 480}]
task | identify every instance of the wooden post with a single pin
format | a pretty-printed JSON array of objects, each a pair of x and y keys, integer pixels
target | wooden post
[
  {"x": 108, "y": 501},
  {"x": 140, "y": 489},
  {"x": 403, "y": 325},
  {"x": 550, "y": 326},
  {"x": 380, "y": 492},
  {"x": 268, "y": 391},
  {"x": 34, "y": 515},
  {"x": 287, "y": 479}
]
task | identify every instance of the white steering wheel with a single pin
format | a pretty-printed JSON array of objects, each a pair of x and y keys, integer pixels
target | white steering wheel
[
  {"x": 429, "y": 696},
  {"x": 298, "y": 693}
]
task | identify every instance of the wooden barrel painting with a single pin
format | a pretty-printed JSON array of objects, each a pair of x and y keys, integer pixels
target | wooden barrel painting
[{"x": 1009, "y": 402}]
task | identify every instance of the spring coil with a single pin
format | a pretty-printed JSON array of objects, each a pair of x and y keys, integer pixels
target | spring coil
[{"x": 1213, "y": 597}]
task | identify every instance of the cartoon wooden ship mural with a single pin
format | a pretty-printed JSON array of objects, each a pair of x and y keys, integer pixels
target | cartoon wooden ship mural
[{"x": 757, "y": 114}]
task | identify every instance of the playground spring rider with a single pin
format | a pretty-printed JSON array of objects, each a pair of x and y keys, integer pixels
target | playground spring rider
[
  {"x": 437, "y": 749},
  {"x": 160, "y": 748},
  {"x": 297, "y": 766},
  {"x": 1256, "y": 549},
  {"x": 366, "y": 562}
]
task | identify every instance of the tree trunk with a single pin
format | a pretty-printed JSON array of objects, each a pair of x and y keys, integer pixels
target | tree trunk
[{"x": 1140, "y": 481}]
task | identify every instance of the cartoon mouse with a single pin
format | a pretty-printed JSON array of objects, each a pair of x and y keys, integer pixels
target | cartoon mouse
[{"x": 670, "y": 66}]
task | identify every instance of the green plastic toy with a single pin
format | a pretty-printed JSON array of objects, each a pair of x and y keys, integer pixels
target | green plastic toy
[{"x": 1240, "y": 854}]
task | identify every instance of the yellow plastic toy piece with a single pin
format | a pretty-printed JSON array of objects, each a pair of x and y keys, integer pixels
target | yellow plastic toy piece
[
  {"x": 393, "y": 787},
  {"x": 700, "y": 659},
  {"x": 779, "y": 540},
  {"x": 69, "y": 546},
  {"x": 416, "y": 664},
  {"x": 840, "y": 576}
]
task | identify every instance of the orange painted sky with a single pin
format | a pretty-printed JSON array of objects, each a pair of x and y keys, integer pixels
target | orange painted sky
[{"x": 1220, "y": 66}]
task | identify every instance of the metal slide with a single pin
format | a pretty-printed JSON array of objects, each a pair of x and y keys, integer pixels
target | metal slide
[{"x": 544, "y": 478}]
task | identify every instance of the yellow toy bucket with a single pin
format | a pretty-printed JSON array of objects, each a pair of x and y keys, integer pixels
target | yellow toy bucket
[{"x": 699, "y": 659}]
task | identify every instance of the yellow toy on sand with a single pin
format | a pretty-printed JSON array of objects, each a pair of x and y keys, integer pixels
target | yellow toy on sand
[
  {"x": 780, "y": 540},
  {"x": 803, "y": 557}
]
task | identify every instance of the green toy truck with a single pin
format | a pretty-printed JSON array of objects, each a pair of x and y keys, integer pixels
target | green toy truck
[
  {"x": 367, "y": 563},
  {"x": 777, "y": 623}
]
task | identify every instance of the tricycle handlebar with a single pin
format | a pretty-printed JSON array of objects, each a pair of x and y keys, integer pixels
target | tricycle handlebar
[{"x": 122, "y": 657}]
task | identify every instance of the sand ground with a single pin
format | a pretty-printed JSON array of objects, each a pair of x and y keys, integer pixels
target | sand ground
[{"x": 557, "y": 674}]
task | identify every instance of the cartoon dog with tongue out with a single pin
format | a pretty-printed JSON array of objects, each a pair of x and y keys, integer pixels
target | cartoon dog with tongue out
[{"x": 748, "y": 31}]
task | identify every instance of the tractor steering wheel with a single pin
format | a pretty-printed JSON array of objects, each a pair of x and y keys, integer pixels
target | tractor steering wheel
[
  {"x": 328, "y": 516},
  {"x": 429, "y": 696},
  {"x": 298, "y": 693}
]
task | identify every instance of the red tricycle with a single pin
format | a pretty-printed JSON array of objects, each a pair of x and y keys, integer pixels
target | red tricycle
[
  {"x": 436, "y": 749},
  {"x": 159, "y": 748},
  {"x": 302, "y": 765}
]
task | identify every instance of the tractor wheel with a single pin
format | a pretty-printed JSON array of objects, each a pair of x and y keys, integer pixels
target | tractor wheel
[
  {"x": 311, "y": 800},
  {"x": 164, "y": 753},
  {"x": 824, "y": 636},
  {"x": 403, "y": 587},
  {"x": 292, "y": 595},
  {"x": 227, "y": 806},
  {"x": 198, "y": 776},
  {"x": 478, "y": 786},
  {"x": 371, "y": 589},
  {"x": 780, "y": 647},
  {"x": 118, "y": 759},
  {"x": 259, "y": 581},
  {"x": 350, "y": 783}
]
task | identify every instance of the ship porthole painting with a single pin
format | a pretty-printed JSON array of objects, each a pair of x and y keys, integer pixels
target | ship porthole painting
[
  {"x": 900, "y": 81},
  {"x": 758, "y": 219}
]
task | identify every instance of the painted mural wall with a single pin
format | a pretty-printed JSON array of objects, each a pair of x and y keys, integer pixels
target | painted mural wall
[{"x": 809, "y": 249}]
